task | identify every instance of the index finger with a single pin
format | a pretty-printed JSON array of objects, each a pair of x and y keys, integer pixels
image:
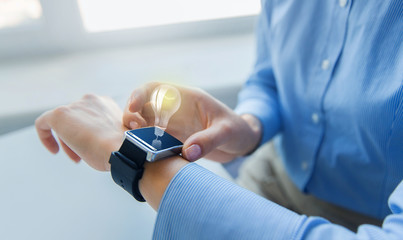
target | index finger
[
  {"x": 44, "y": 131},
  {"x": 140, "y": 96}
]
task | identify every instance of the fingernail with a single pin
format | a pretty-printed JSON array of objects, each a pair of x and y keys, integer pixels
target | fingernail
[
  {"x": 134, "y": 125},
  {"x": 193, "y": 152}
]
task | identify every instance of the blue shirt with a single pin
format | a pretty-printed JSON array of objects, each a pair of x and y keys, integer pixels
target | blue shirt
[
  {"x": 200, "y": 205},
  {"x": 329, "y": 79}
]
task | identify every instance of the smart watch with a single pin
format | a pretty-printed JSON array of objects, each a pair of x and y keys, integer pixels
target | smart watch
[{"x": 140, "y": 145}]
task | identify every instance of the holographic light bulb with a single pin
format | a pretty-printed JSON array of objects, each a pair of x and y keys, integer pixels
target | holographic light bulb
[{"x": 165, "y": 101}]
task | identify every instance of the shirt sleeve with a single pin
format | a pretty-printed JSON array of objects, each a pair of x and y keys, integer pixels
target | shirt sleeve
[
  {"x": 259, "y": 94},
  {"x": 200, "y": 205},
  {"x": 392, "y": 228}
]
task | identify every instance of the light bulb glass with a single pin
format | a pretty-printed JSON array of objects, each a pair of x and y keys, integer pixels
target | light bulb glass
[{"x": 165, "y": 101}]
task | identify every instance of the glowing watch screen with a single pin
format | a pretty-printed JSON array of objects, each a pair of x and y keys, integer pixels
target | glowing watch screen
[{"x": 149, "y": 138}]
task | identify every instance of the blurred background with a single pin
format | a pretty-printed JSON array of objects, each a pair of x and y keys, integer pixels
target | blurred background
[{"x": 53, "y": 52}]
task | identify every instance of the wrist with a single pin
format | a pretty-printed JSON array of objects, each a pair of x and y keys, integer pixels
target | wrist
[
  {"x": 157, "y": 176},
  {"x": 110, "y": 145},
  {"x": 253, "y": 133}
]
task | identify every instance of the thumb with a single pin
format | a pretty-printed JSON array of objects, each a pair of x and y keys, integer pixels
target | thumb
[{"x": 203, "y": 142}]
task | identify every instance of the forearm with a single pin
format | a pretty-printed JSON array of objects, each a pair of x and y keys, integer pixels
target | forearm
[
  {"x": 259, "y": 95},
  {"x": 244, "y": 137},
  {"x": 200, "y": 205},
  {"x": 189, "y": 199},
  {"x": 260, "y": 101}
]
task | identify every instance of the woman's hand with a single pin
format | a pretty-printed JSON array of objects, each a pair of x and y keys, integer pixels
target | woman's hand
[
  {"x": 89, "y": 129},
  {"x": 207, "y": 127}
]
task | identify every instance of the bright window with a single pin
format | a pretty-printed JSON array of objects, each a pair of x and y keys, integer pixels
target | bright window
[
  {"x": 109, "y": 15},
  {"x": 17, "y": 13},
  {"x": 35, "y": 27}
]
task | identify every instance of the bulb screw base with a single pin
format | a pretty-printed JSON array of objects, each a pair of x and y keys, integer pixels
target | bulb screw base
[{"x": 158, "y": 131}]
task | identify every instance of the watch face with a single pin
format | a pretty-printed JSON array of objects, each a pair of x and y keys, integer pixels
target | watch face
[{"x": 155, "y": 142}]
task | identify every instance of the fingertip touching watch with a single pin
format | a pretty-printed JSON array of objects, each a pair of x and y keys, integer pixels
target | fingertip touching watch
[{"x": 140, "y": 145}]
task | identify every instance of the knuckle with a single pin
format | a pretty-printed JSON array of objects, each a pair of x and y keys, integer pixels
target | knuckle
[
  {"x": 107, "y": 98},
  {"x": 205, "y": 144},
  {"x": 38, "y": 121},
  {"x": 199, "y": 95},
  {"x": 89, "y": 96},
  {"x": 60, "y": 111},
  {"x": 226, "y": 128},
  {"x": 152, "y": 85}
]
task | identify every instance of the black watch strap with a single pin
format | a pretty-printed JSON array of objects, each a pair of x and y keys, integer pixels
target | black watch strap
[{"x": 127, "y": 168}]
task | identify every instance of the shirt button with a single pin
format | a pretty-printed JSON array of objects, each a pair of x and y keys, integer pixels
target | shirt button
[
  {"x": 342, "y": 3},
  {"x": 325, "y": 64},
  {"x": 315, "y": 118},
  {"x": 304, "y": 165}
]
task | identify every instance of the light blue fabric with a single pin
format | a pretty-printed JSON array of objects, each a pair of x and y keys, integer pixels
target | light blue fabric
[
  {"x": 200, "y": 205},
  {"x": 329, "y": 80}
]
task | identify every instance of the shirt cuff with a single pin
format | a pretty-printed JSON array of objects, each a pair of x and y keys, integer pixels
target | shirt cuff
[
  {"x": 201, "y": 205},
  {"x": 264, "y": 106}
]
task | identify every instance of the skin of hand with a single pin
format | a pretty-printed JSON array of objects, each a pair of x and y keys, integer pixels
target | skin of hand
[
  {"x": 157, "y": 176},
  {"x": 88, "y": 129},
  {"x": 207, "y": 127}
]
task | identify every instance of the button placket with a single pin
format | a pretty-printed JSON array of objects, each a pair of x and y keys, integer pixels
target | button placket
[
  {"x": 315, "y": 118},
  {"x": 325, "y": 64}
]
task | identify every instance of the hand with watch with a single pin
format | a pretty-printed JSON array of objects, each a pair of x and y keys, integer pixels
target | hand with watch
[
  {"x": 140, "y": 145},
  {"x": 91, "y": 129}
]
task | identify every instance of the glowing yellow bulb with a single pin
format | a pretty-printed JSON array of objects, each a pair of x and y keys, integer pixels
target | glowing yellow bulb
[{"x": 165, "y": 101}]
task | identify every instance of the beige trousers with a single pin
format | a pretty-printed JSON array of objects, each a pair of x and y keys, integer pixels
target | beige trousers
[{"x": 264, "y": 174}]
